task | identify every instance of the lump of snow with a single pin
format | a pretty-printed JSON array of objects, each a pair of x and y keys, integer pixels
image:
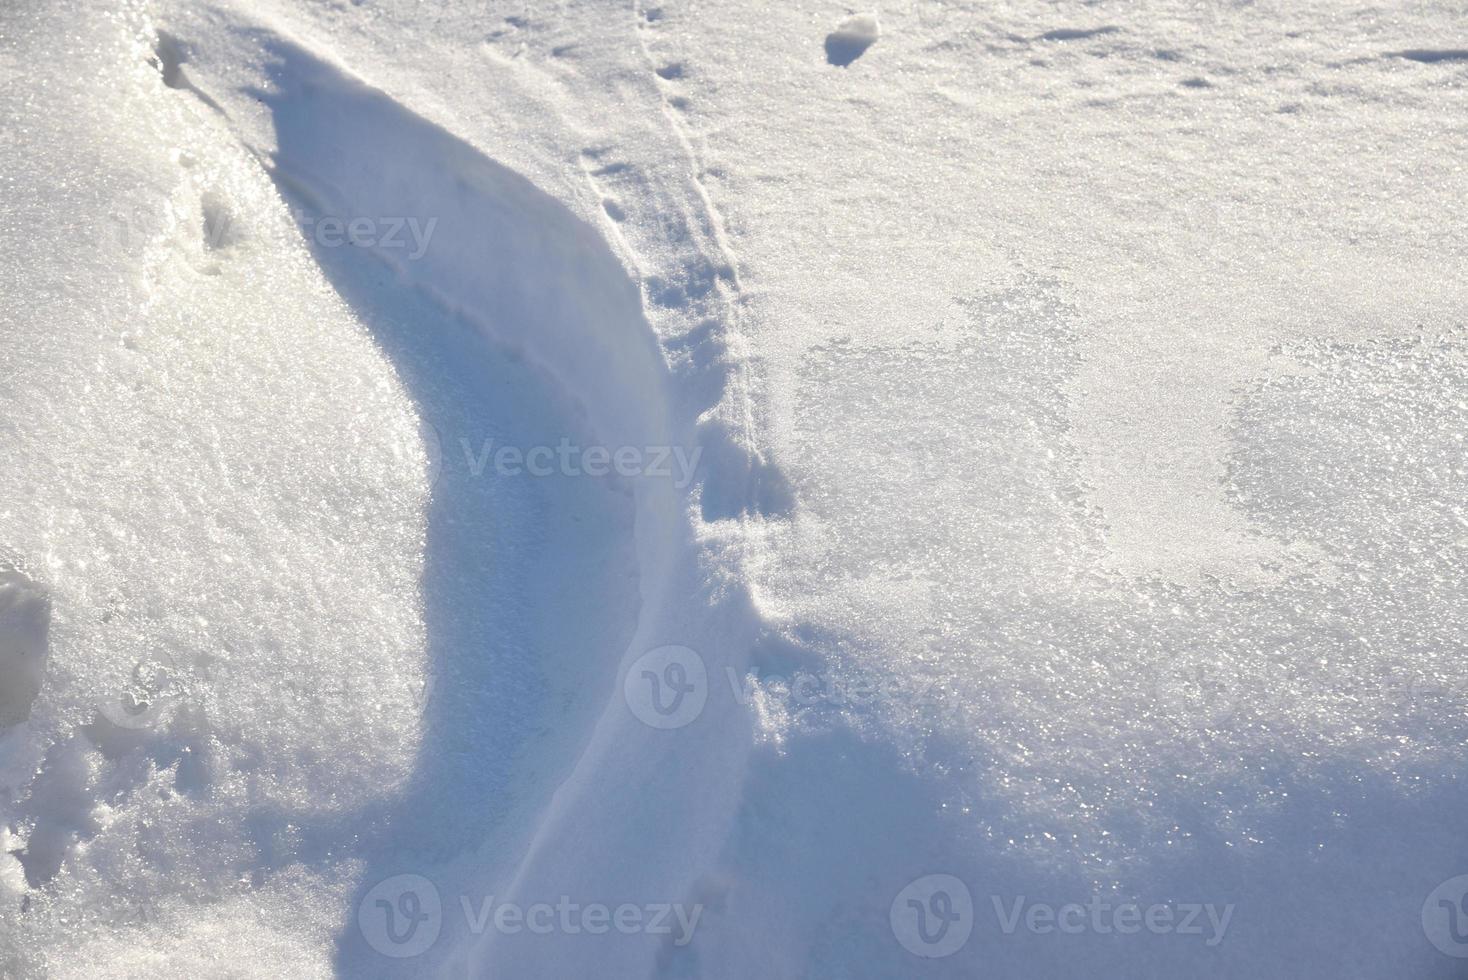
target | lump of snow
[
  {"x": 25, "y": 618},
  {"x": 851, "y": 38}
]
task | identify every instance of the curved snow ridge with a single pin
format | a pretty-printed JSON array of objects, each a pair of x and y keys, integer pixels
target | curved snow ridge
[
  {"x": 489, "y": 246},
  {"x": 500, "y": 254}
]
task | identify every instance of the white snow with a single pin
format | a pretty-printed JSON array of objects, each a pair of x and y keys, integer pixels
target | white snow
[
  {"x": 851, "y": 38},
  {"x": 1073, "y": 399}
]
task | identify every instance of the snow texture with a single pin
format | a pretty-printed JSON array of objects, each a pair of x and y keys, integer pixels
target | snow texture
[{"x": 1032, "y": 490}]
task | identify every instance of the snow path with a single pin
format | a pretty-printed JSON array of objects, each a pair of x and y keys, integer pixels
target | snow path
[{"x": 514, "y": 265}]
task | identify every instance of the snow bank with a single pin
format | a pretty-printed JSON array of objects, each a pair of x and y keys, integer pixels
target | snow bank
[
  {"x": 1075, "y": 540},
  {"x": 222, "y": 496}
]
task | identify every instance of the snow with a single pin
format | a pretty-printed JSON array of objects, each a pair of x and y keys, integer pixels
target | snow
[
  {"x": 851, "y": 38},
  {"x": 25, "y": 619},
  {"x": 1054, "y": 567}
]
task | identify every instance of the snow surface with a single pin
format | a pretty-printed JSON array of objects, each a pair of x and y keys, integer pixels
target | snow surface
[
  {"x": 1074, "y": 402},
  {"x": 851, "y": 38}
]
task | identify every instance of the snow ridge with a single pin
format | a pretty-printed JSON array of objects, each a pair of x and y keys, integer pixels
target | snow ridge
[{"x": 513, "y": 263}]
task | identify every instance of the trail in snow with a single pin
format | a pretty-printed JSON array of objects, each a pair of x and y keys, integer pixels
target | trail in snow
[
  {"x": 509, "y": 262},
  {"x": 530, "y": 594}
]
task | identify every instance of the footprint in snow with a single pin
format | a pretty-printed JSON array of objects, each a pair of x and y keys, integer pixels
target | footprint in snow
[{"x": 851, "y": 38}]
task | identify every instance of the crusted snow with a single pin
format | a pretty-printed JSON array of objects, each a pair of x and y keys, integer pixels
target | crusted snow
[{"x": 1073, "y": 404}]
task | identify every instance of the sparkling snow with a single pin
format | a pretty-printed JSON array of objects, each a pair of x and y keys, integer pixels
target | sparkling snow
[{"x": 1066, "y": 578}]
